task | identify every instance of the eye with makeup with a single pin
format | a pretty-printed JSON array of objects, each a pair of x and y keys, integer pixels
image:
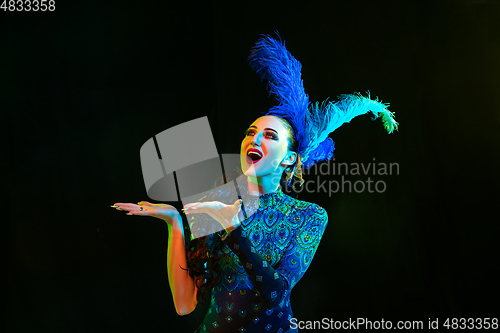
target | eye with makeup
[
  {"x": 271, "y": 135},
  {"x": 249, "y": 131},
  {"x": 267, "y": 134}
]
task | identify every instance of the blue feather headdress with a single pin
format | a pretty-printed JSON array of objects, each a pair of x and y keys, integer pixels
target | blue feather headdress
[{"x": 312, "y": 122}]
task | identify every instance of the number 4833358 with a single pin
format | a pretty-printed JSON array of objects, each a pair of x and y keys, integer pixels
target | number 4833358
[{"x": 28, "y": 5}]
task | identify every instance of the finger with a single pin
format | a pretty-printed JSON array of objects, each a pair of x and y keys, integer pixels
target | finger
[
  {"x": 190, "y": 207},
  {"x": 187, "y": 206},
  {"x": 145, "y": 203},
  {"x": 129, "y": 206},
  {"x": 141, "y": 210},
  {"x": 194, "y": 211},
  {"x": 139, "y": 213},
  {"x": 213, "y": 212},
  {"x": 117, "y": 205},
  {"x": 194, "y": 204},
  {"x": 207, "y": 204},
  {"x": 198, "y": 210}
]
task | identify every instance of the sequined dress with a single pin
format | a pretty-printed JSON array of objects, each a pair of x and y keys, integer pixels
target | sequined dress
[{"x": 261, "y": 262}]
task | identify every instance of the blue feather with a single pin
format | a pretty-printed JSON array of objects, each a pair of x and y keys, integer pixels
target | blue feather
[
  {"x": 272, "y": 61},
  {"x": 321, "y": 120},
  {"x": 312, "y": 123}
]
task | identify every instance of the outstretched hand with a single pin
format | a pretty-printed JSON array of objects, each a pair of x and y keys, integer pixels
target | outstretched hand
[
  {"x": 143, "y": 208},
  {"x": 226, "y": 215}
]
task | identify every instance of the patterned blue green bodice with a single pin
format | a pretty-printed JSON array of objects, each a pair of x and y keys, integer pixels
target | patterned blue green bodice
[{"x": 286, "y": 232}]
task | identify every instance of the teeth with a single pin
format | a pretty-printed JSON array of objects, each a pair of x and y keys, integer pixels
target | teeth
[{"x": 254, "y": 153}]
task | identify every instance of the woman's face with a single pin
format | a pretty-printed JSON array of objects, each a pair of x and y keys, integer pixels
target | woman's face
[{"x": 264, "y": 150}]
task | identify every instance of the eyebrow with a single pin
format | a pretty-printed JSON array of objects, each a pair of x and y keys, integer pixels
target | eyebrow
[{"x": 267, "y": 128}]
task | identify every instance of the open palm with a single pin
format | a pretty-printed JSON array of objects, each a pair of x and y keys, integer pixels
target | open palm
[
  {"x": 143, "y": 208},
  {"x": 226, "y": 215}
]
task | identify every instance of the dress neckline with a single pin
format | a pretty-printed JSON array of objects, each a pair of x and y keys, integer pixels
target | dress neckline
[{"x": 278, "y": 194}]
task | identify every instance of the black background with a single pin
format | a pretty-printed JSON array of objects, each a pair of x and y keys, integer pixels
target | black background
[{"x": 83, "y": 87}]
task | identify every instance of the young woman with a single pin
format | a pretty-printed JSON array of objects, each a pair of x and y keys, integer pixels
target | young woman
[{"x": 267, "y": 245}]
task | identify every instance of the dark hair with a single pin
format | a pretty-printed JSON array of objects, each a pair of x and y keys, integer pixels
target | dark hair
[
  {"x": 200, "y": 251},
  {"x": 296, "y": 177},
  {"x": 203, "y": 254}
]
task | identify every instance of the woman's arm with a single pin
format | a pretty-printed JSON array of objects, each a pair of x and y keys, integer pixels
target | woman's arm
[{"x": 181, "y": 283}]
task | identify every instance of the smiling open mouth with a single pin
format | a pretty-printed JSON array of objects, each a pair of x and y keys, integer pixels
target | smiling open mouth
[{"x": 253, "y": 156}]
